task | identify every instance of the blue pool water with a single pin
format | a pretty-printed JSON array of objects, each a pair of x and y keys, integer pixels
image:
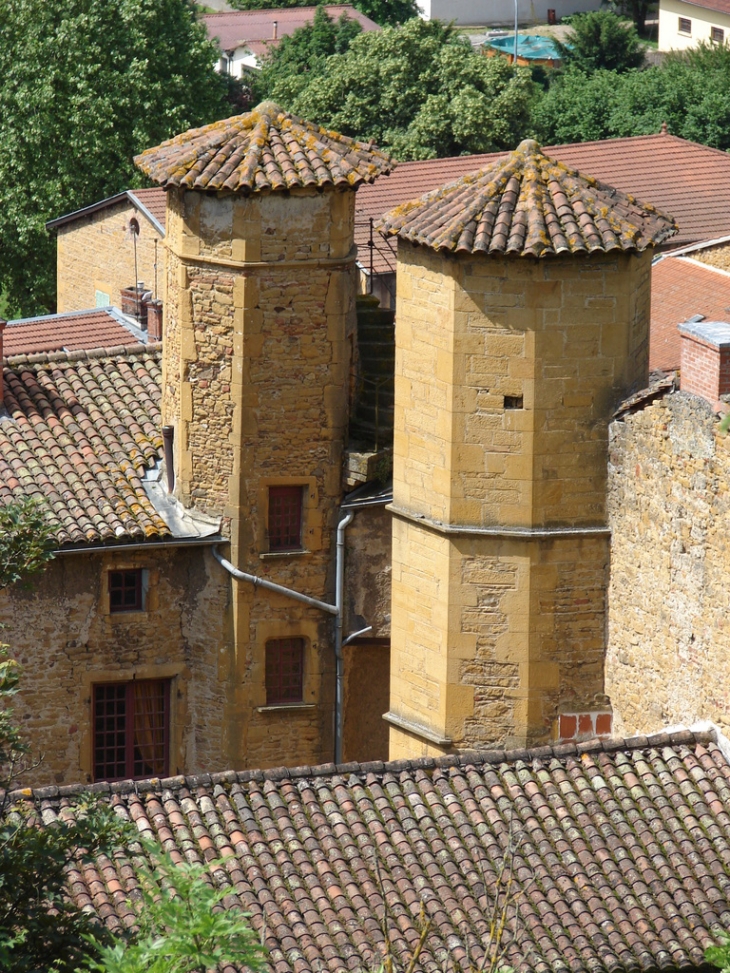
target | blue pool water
[{"x": 530, "y": 46}]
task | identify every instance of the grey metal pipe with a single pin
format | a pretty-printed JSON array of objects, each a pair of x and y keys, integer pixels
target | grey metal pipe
[
  {"x": 271, "y": 585},
  {"x": 340, "y": 604}
]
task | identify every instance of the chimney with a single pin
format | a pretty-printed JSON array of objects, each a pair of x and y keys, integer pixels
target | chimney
[
  {"x": 134, "y": 304},
  {"x": 275, "y": 31},
  {"x": 3, "y": 323},
  {"x": 168, "y": 440},
  {"x": 154, "y": 320},
  {"x": 705, "y": 359}
]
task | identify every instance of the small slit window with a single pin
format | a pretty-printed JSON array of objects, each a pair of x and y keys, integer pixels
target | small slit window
[
  {"x": 717, "y": 35},
  {"x": 685, "y": 25},
  {"x": 284, "y": 671},
  {"x": 285, "y": 518},
  {"x": 513, "y": 402},
  {"x": 126, "y": 591}
]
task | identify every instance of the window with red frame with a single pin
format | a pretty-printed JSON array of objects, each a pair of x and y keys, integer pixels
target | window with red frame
[
  {"x": 285, "y": 518},
  {"x": 131, "y": 729},
  {"x": 126, "y": 591},
  {"x": 284, "y": 671}
]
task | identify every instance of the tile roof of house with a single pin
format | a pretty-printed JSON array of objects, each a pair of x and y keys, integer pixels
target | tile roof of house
[
  {"x": 266, "y": 149},
  {"x": 530, "y": 205},
  {"x": 70, "y": 331},
  {"x": 680, "y": 289},
  {"x": 78, "y": 431},
  {"x": 619, "y": 853},
  {"x": 691, "y": 182},
  {"x": 151, "y": 203},
  {"x": 719, "y": 6},
  {"x": 255, "y": 28}
]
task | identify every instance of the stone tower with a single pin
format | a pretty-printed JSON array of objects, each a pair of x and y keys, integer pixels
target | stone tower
[
  {"x": 522, "y": 320},
  {"x": 259, "y": 324}
]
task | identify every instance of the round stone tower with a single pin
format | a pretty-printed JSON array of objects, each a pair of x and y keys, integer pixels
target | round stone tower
[{"x": 522, "y": 320}]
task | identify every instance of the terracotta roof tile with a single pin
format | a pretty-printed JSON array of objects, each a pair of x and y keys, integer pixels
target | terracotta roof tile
[
  {"x": 78, "y": 431},
  {"x": 529, "y": 205},
  {"x": 687, "y": 180},
  {"x": 681, "y": 288},
  {"x": 620, "y": 853},
  {"x": 71, "y": 331},
  {"x": 154, "y": 201},
  {"x": 255, "y": 28},
  {"x": 266, "y": 149}
]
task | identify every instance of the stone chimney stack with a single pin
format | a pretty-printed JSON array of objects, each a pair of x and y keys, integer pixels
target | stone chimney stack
[{"x": 522, "y": 320}]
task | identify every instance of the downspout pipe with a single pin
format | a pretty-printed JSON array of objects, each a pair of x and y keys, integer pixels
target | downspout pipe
[{"x": 340, "y": 605}]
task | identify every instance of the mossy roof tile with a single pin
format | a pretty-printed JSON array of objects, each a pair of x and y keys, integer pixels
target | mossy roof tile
[
  {"x": 78, "y": 432},
  {"x": 264, "y": 150},
  {"x": 528, "y": 205}
]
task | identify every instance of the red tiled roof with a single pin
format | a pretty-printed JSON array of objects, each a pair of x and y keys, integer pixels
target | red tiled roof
[
  {"x": 530, "y": 205},
  {"x": 690, "y": 182},
  {"x": 154, "y": 201},
  {"x": 620, "y": 855},
  {"x": 266, "y": 149},
  {"x": 239, "y": 27},
  {"x": 720, "y": 6},
  {"x": 681, "y": 288},
  {"x": 70, "y": 331},
  {"x": 79, "y": 431}
]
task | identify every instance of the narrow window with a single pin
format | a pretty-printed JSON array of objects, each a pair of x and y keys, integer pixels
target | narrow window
[
  {"x": 284, "y": 671},
  {"x": 125, "y": 591},
  {"x": 717, "y": 35},
  {"x": 513, "y": 402},
  {"x": 285, "y": 518},
  {"x": 685, "y": 25},
  {"x": 131, "y": 729}
]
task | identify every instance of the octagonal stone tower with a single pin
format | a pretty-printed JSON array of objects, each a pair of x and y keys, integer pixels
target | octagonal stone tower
[
  {"x": 259, "y": 324},
  {"x": 522, "y": 320}
]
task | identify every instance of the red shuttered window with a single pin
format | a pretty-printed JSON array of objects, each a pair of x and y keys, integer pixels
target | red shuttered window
[
  {"x": 285, "y": 518},
  {"x": 284, "y": 671}
]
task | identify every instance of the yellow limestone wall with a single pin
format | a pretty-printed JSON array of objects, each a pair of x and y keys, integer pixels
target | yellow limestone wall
[
  {"x": 260, "y": 320},
  {"x": 500, "y": 545}
]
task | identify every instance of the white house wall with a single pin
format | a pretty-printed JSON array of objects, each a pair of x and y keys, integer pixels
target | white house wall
[
  {"x": 701, "y": 23},
  {"x": 501, "y": 12}
]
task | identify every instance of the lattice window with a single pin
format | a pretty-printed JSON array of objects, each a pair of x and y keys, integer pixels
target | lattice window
[
  {"x": 285, "y": 518},
  {"x": 284, "y": 671},
  {"x": 131, "y": 729},
  {"x": 685, "y": 25},
  {"x": 125, "y": 591},
  {"x": 717, "y": 35}
]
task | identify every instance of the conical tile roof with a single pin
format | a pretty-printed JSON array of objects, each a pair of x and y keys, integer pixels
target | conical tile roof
[
  {"x": 266, "y": 149},
  {"x": 530, "y": 205}
]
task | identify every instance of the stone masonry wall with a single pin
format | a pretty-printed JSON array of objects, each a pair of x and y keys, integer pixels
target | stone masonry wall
[
  {"x": 182, "y": 635},
  {"x": 96, "y": 253},
  {"x": 669, "y": 597}
]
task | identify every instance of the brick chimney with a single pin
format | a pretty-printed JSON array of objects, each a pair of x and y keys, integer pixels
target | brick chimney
[
  {"x": 705, "y": 359},
  {"x": 275, "y": 30},
  {"x": 154, "y": 320}
]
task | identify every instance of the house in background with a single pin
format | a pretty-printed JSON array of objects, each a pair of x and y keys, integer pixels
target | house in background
[
  {"x": 493, "y": 13},
  {"x": 684, "y": 23},
  {"x": 245, "y": 36}
]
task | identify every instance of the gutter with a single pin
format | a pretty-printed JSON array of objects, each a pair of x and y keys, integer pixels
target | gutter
[
  {"x": 150, "y": 546},
  {"x": 337, "y": 610}
]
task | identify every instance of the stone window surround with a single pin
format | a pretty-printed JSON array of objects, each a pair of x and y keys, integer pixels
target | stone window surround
[
  {"x": 308, "y": 631},
  {"x": 149, "y": 581},
  {"x": 310, "y": 501},
  {"x": 130, "y": 722}
]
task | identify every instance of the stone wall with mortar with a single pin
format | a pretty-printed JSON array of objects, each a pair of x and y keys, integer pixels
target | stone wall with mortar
[
  {"x": 260, "y": 323},
  {"x": 96, "y": 253},
  {"x": 507, "y": 372},
  {"x": 61, "y": 631},
  {"x": 717, "y": 256},
  {"x": 669, "y": 597}
]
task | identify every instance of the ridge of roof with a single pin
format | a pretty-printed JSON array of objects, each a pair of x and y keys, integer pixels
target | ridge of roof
[
  {"x": 83, "y": 354},
  {"x": 528, "y": 204},
  {"x": 128, "y": 194},
  {"x": 379, "y": 768},
  {"x": 266, "y": 149}
]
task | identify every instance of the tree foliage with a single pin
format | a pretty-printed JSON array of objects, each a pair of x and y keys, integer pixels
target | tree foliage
[
  {"x": 720, "y": 955},
  {"x": 87, "y": 84},
  {"x": 419, "y": 91},
  {"x": 381, "y": 11},
  {"x": 600, "y": 39},
  {"x": 25, "y": 540},
  {"x": 690, "y": 92},
  {"x": 184, "y": 926},
  {"x": 290, "y": 66}
]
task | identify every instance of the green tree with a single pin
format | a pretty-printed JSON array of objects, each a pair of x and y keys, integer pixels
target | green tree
[
  {"x": 600, "y": 39},
  {"x": 291, "y": 65},
  {"x": 184, "y": 926},
  {"x": 381, "y": 11},
  {"x": 419, "y": 91},
  {"x": 690, "y": 92},
  {"x": 86, "y": 85}
]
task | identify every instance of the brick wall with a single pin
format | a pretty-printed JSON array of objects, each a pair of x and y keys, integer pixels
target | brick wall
[
  {"x": 62, "y": 633},
  {"x": 96, "y": 253},
  {"x": 705, "y": 361}
]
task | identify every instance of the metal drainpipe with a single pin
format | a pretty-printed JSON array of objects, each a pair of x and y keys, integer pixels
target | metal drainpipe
[{"x": 337, "y": 610}]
